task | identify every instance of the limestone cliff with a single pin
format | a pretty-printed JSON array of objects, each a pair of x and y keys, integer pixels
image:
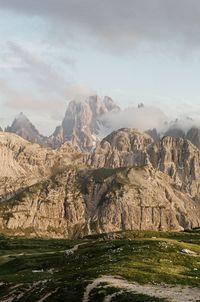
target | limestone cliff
[
  {"x": 23, "y": 163},
  {"x": 74, "y": 203},
  {"x": 177, "y": 157},
  {"x": 124, "y": 147},
  {"x": 128, "y": 182}
]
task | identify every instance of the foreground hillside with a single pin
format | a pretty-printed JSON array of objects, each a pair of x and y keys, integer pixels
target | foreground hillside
[{"x": 137, "y": 266}]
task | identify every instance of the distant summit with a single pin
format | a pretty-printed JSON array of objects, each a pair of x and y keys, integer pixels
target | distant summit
[
  {"x": 83, "y": 122},
  {"x": 24, "y": 128},
  {"x": 86, "y": 122}
]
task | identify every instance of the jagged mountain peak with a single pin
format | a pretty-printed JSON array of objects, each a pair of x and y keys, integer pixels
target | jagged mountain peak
[
  {"x": 83, "y": 122},
  {"x": 23, "y": 127},
  {"x": 21, "y": 117},
  {"x": 20, "y": 120}
]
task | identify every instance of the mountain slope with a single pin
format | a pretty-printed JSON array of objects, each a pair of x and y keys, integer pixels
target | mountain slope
[
  {"x": 23, "y": 163},
  {"x": 75, "y": 203},
  {"x": 129, "y": 182}
]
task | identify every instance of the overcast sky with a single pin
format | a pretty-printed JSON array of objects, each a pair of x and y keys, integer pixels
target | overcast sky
[{"x": 52, "y": 51}]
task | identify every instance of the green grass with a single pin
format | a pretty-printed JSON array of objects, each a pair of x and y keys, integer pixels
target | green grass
[{"x": 143, "y": 257}]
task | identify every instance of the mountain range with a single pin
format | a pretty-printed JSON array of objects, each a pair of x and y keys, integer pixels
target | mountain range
[
  {"x": 128, "y": 182},
  {"x": 84, "y": 125},
  {"x": 77, "y": 182}
]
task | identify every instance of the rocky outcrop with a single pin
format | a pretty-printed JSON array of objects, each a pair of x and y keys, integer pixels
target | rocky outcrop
[
  {"x": 20, "y": 158},
  {"x": 23, "y": 163},
  {"x": 74, "y": 203},
  {"x": 122, "y": 148},
  {"x": 180, "y": 159},
  {"x": 176, "y": 157}
]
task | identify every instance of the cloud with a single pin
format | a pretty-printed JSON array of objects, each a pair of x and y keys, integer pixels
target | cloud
[
  {"x": 183, "y": 122},
  {"x": 146, "y": 118},
  {"x": 143, "y": 118},
  {"x": 47, "y": 79},
  {"x": 119, "y": 25},
  {"x": 38, "y": 87}
]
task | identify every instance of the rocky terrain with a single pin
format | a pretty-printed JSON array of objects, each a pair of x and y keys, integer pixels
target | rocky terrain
[
  {"x": 176, "y": 157},
  {"x": 129, "y": 182}
]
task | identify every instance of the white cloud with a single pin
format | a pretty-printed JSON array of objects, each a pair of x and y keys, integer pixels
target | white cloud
[{"x": 141, "y": 118}]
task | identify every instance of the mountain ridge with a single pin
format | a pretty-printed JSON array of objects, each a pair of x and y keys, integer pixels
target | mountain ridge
[
  {"x": 84, "y": 124},
  {"x": 123, "y": 184}
]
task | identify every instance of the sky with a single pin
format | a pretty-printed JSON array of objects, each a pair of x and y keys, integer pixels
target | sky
[{"x": 53, "y": 51}]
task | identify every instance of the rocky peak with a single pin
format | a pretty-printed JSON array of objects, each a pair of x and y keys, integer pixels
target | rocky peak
[
  {"x": 124, "y": 147},
  {"x": 24, "y": 128},
  {"x": 82, "y": 122},
  {"x": 97, "y": 106},
  {"x": 176, "y": 157}
]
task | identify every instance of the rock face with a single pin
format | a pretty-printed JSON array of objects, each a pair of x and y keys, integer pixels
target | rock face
[
  {"x": 129, "y": 182},
  {"x": 82, "y": 122},
  {"x": 122, "y": 148},
  {"x": 176, "y": 157},
  {"x": 24, "y": 128},
  {"x": 75, "y": 203},
  {"x": 23, "y": 163}
]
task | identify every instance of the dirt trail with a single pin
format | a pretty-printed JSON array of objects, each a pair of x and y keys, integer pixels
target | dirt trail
[
  {"x": 172, "y": 293},
  {"x": 73, "y": 249}
]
